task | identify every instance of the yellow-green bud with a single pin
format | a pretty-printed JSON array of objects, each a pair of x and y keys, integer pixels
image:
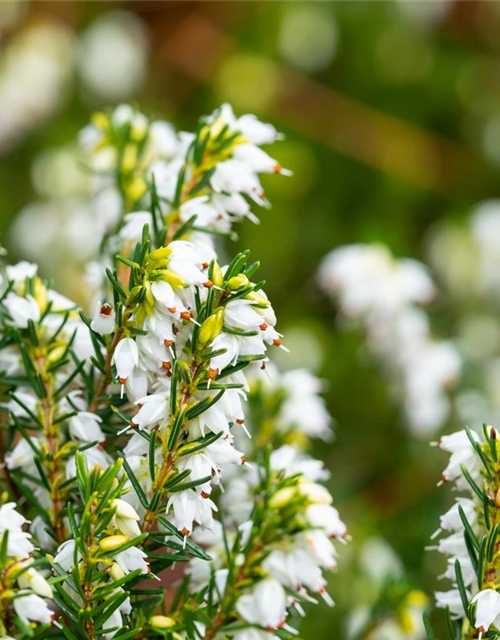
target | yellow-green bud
[
  {"x": 113, "y": 542},
  {"x": 236, "y": 282},
  {"x": 160, "y": 254},
  {"x": 100, "y": 120},
  {"x": 257, "y": 297},
  {"x": 173, "y": 278},
  {"x": 282, "y": 497},
  {"x": 211, "y": 327},
  {"x": 217, "y": 277},
  {"x": 149, "y": 300},
  {"x": 129, "y": 159},
  {"x": 56, "y": 354},
  {"x": 137, "y": 188},
  {"x": 162, "y": 622}
]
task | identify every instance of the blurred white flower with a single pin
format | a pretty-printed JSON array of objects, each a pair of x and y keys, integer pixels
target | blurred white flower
[{"x": 113, "y": 56}]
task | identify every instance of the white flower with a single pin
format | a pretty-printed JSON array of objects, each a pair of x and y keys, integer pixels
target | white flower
[
  {"x": 235, "y": 176},
  {"x": 462, "y": 453},
  {"x": 21, "y": 456},
  {"x": 33, "y": 608},
  {"x": 126, "y": 518},
  {"x": 132, "y": 559},
  {"x": 327, "y": 518},
  {"x": 265, "y": 605},
  {"x": 125, "y": 358},
  {"x": 487, "y": 609},
  {"x": 66, "y": 554},
  {"x": 251, "y": 633},
  {"x": 201, "y": 466},
  {"x": 31, "y": 579},
  {"x": 134, "y": 224},
  {"x": 103, "y": 321},
  {"x": 451, "y": 520},
  {"x": 10, "y": 519},
  {"x": 163, "y": 138},
  {"x": 452, "y": 600},
  {"x": 85, "y": 426},
  {"x": 20, "y": 271},
  {"x": 188, "y": 507},
  {"x": 258, "y": 160},
  {"x": 22, "y": 310},
  {"x": 153, "y": 410}
]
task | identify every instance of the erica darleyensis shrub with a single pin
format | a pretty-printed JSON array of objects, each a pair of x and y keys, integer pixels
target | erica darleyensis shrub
[{"x": 126, "y": 442}]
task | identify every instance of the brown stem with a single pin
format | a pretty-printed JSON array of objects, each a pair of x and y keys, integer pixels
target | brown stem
[
  {"x": 170, "y": 457},
  {"x": 52, "y": 461},
  {"x": 223, "y": 615},
  {"x": 106, "y": 376}
]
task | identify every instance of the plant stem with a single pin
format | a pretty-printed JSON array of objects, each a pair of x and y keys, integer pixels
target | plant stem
[{"x": 52, "y": 459}]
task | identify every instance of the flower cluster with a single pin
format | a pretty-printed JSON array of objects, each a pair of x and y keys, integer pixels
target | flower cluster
[
  {"x": 24, "y": 591},
  {"x": 469, "y": 533},
  {"x": 385, "y": 296},
  {"x": 121, "y": 430},
  {"x": 275, "y": 546}
]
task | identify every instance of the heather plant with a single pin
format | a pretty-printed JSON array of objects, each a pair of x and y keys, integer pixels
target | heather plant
[{"x": 124, "y": 434}]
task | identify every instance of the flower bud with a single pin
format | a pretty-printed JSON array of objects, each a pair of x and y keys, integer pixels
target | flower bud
[
  {"x": 116, "y": 572},
  {"x": 137, "y": 188},
  {"x": 100, "y": 120},
  {"x": 282, "y": 497},
  {"x": 160, "y": 254},
  {"x": 217, "y": 277},
  {"x": 172, "y": 278},
  {"x": 139, "y": 127},
  {"x": 56, "y": 354},
  {"x": 257, "y": 297},
  {"x": 236, "y": 282},
  {"x": 111, "y": 543},
  {"x": 211, "y": 327},
  {"x": 162, "y": 622},
  {"x": 129, "y": 159}
]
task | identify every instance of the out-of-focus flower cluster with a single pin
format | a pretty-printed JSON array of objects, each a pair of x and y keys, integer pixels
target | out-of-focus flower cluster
[
  {"x": 386, "y": 296},
  {"x": 41, "y": 59}
]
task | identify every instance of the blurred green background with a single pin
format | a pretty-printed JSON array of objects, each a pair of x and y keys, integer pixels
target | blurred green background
[{"x": 391, "y": 112}]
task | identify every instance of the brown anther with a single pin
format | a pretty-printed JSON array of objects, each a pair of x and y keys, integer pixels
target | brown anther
[
  {"x": 243, "y": 460},
  {"x": 263, "y": 366},
  {"x": 122, "y": 380},
  {"x": 205, "y": 495},
  {"x": 263, "y": 326},
  {"x": 168, "y": 343},
  {"x": 133, "y": 424},
  {"x": 208, "y": 284},
  {"x": 277, "y": 342},
  {"x": 166, "y": 365},
  {"x": 185, "y": 532},
  {"x": 172, "y": 309},
  {"x": 205, "y": 265},
  {"x": 239, "y": 421},
  {"x": 278, "y": 167},
  {"x": 106, "y": 309},
  {"x": 186, "y": 315},
  {"x": 212, "y": 373},
  {"x": 175, "y": 330}
]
